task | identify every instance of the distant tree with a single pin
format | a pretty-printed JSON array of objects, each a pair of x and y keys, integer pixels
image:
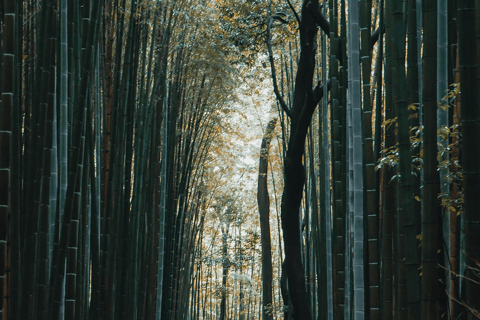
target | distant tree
[{"x": 263, "y": 201}]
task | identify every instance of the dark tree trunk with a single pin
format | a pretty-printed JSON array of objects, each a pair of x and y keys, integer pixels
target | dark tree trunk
[
  {"x": 305, "y": 100},
  {"x": 411, "y": 224},
  {"x": 388, "y": 263},
  {"x": 6, "y": 110},
  {"x": 264, "y": 211},
  {"x": 225, "y": 266},
  {"x": 430, "y": 283},
  {"x": 470, "y": 153}
]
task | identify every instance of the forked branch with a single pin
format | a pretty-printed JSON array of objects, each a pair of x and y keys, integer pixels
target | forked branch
[
  {"x": 320, "y": 20},
  {"x": 280, "y": 99},
  {"x": 293, "y": 10}
]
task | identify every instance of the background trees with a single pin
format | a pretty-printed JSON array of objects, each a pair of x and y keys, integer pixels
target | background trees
[{"x": 103, "y": 95}]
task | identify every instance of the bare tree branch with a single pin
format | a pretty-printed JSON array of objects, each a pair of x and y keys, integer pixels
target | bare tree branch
[
  {"x": 293, "y": 9},
  {"x": 318, "y": 91},
  {"x": 374, "y": 37},
  {"x": 277, "y": 17},
  {"x": 319, "y": 18},
  {"x": 272, "y": 63}
]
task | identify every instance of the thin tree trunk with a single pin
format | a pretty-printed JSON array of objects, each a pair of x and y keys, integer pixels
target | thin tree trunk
[
  {"x": 6, "y": 111},
  {"x": 263, "y": 201},
  {"x": 470, "y": 120},
  {"x": 325, "y": 219},
  {"x": 389, "y": 290},
  {"x": 413, "y": 217},
  {"x": 430, "y": 284},
  {"x": 357, "y": 165}
]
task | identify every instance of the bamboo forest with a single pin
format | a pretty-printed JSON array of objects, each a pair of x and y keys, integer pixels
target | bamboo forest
[{"x": 239, "y": 159}]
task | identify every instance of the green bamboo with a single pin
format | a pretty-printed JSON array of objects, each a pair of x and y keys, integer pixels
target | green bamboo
[
  {"x": 83, "y": 251},
  {"x": 63, "y": 105},
  {"x": 357, "y": 165},
  {"x": 412, "y": 218},
  {"x": 16, "y": 178},
  {"x": 430, "y": 292},
  {"x": 404, "y": 183},
  {"x": 33, "y": 176},
  {"x": 325, "y": 193},
  {"x": 74, "y": 170},
  {"x": 93, "y": 308},
  {"x": 162, "y": 217},
  {"x": 372, "y": 275},
  {"x": 338, "y": 231},
  {"x": 6, "y": 114},
  {"x": 47, "y": 106},
  {"x": 466, "y": 11},
  {"x": 388, "y": 284},
  {"x": 379, "y": 135}
]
